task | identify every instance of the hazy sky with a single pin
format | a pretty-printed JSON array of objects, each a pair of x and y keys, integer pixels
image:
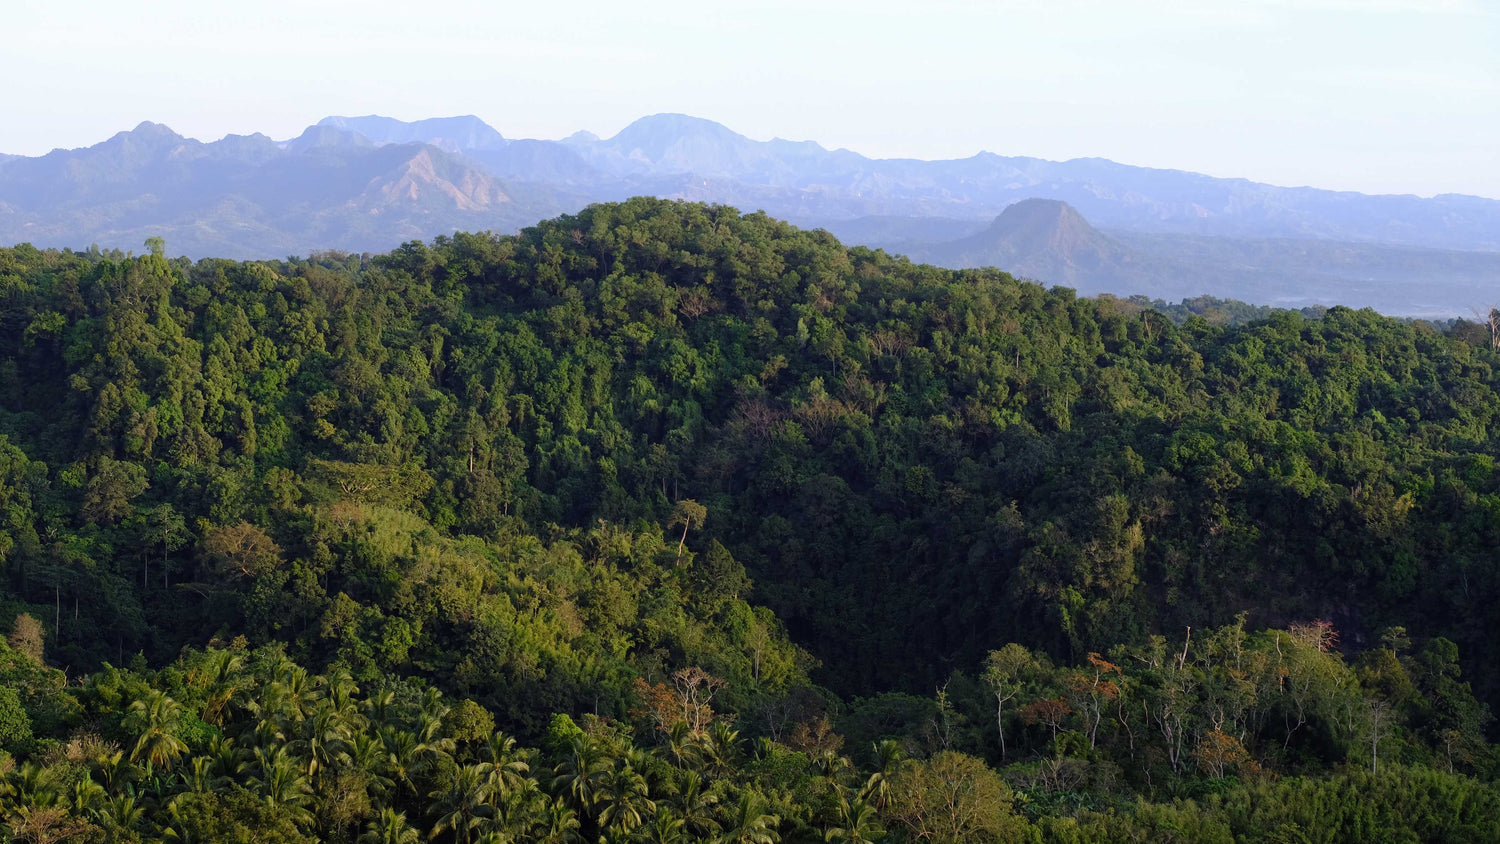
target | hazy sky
[{"x": 1372, "y": 95}]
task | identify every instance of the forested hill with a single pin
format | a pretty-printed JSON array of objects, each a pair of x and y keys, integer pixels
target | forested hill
[{"x": 658, "y": 436}]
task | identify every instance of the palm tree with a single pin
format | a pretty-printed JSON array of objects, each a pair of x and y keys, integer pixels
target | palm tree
[
  {"x": 203, "y": 776},
  {"x": 283, "y": 785},
  {"x": 722, "y": 749},
  {"x": 121, "y": 814},
  {"x": 291, "y": 695},
  {"x": 340, "y": 689},
  {"x": 377, "y": 706},
  {"x": 682, "y": 747},
  {"x": 749, "y": 824},
  {"x": 464, "y": 801},
  {"x": 228, "y": 759},
  {"x": 324, "y": 743},
  {"x": 432, "y": 744},
  {"x": 403, "y": 756},
  {"x": 87, "y": 795},
  {"x": 624, "y": 796},
  {"x": 830, "y": 764},
  {"x": 579, "y": 775},
  {"x": 520, "y": 809},
  {"x": 368, "y": 753},
  {"x": 34, "y": 785},
  {"x": 222, "y": 676},
  {"x": 389, "y": 827},
  {"x": 559, "y": 826},
  {"x": 116, "y": 771},
  {"x": 153, "y": 718},
  {"x": 859, "y": 824},
  {"x": 888, "y": 757},
  {"x": 509, "y": 768},
  {"x": 665, "y": 828},
  {"x": 174, "y": 827},
  {"x": 696, "y": 806}
]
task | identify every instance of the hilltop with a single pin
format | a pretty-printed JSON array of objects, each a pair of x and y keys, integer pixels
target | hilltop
[{"x": 359, "y": 183}]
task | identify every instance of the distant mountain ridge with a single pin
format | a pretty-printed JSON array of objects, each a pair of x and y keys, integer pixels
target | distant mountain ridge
[
  {"x": 1049, "y": 240},
  {"x": 249, "y": 196},
  {"x": 367, "y": 183},
  {"x": 453, "y": 134}
]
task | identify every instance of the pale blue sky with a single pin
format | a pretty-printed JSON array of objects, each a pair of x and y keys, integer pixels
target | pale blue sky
[{"x": 1379, "y": 96}]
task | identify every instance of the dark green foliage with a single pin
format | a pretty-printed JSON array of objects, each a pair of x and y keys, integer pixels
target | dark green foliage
[
  {"x": 547, "y": 472},
  {"x": 15, "y": 724}
]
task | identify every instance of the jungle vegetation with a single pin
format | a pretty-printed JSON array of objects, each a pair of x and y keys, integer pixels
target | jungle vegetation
[{"x": 661, "y": 522}]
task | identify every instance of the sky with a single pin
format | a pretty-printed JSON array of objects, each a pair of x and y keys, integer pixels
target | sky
[{"x": 1379, "y": 96}]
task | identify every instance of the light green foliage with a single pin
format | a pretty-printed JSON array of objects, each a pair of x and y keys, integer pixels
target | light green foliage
[{"x": 533, "y": 470}]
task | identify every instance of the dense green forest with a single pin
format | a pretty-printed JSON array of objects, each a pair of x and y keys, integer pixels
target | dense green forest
[{"x": 662, "y": 522}]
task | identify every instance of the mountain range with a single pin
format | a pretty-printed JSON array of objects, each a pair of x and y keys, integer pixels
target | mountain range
[{"x": 369, "y": 183}]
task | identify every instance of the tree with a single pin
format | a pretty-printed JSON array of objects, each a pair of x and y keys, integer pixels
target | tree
[
  {"x": 859, "y": 824},
  {"x": 750, "y": 823},
  {"x": 163, "y": 526},
  {"x": 695, "y": 692},
  {"x": 579, "y": 776},
  {"x": 953, "y": 798},
  {"x": 1490, "y": 319},
  {"x": 111, "y": 485},
  {"x": 1218, "y": 752},
  {"x": 625, "y": 802},
  {"x": 1003, "y": 670},
  {"x": 463, "y": 803},
  {"x": 718, "y": 577},
  {"x": 15, "y": 724},
  {"x": 690, "y": 515},
  {"x": 154, "y": 719},
  {"x": 390, "y": 827},
  {"x": 27, "y": 637},
  {"x": 241, "y": 551}
]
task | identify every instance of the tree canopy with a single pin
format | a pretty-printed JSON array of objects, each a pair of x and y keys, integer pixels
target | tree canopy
[{"x": 661, "y": 464}]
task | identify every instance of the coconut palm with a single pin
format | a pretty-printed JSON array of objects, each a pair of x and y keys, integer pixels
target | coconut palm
[
  {"x": 624, "y": 798},
  {"x": 888, "y": 757},
  {"x": 722, "y": 749},
  {"x": 227, "y": 757},
  {"x": 283, "y": 784},
  {"x": 324, "y": 741},
  {"x": 368, "y": 753},
  {"x": 665, "y": 827},
  {"x": 695, "y": 804},
  {"x": 682, "y": 748},
  {"x": 858, "y": 824},
  {"x": 389, "y": 827},
  {"x": 559, "y": 825},
  {"x": 579, "y": 775},
  {"x": 153, "y": 718},
  {"x": 509, "y": 767},
  {"x": 748, "y": 823},
  {"x": 404, "y": 756},
  {"x": 222, "y": 676},
  {"x": 87, "y": 796},
  {"x": 121, "y": 814},
  {"x": 464, "y": 802},
  {"x": 202, "y": 775}
]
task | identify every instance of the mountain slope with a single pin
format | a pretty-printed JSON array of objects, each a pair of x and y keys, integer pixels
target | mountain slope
[
  {"x": 1043, "y": 239},
  {"x": 249, "y": 197}
]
